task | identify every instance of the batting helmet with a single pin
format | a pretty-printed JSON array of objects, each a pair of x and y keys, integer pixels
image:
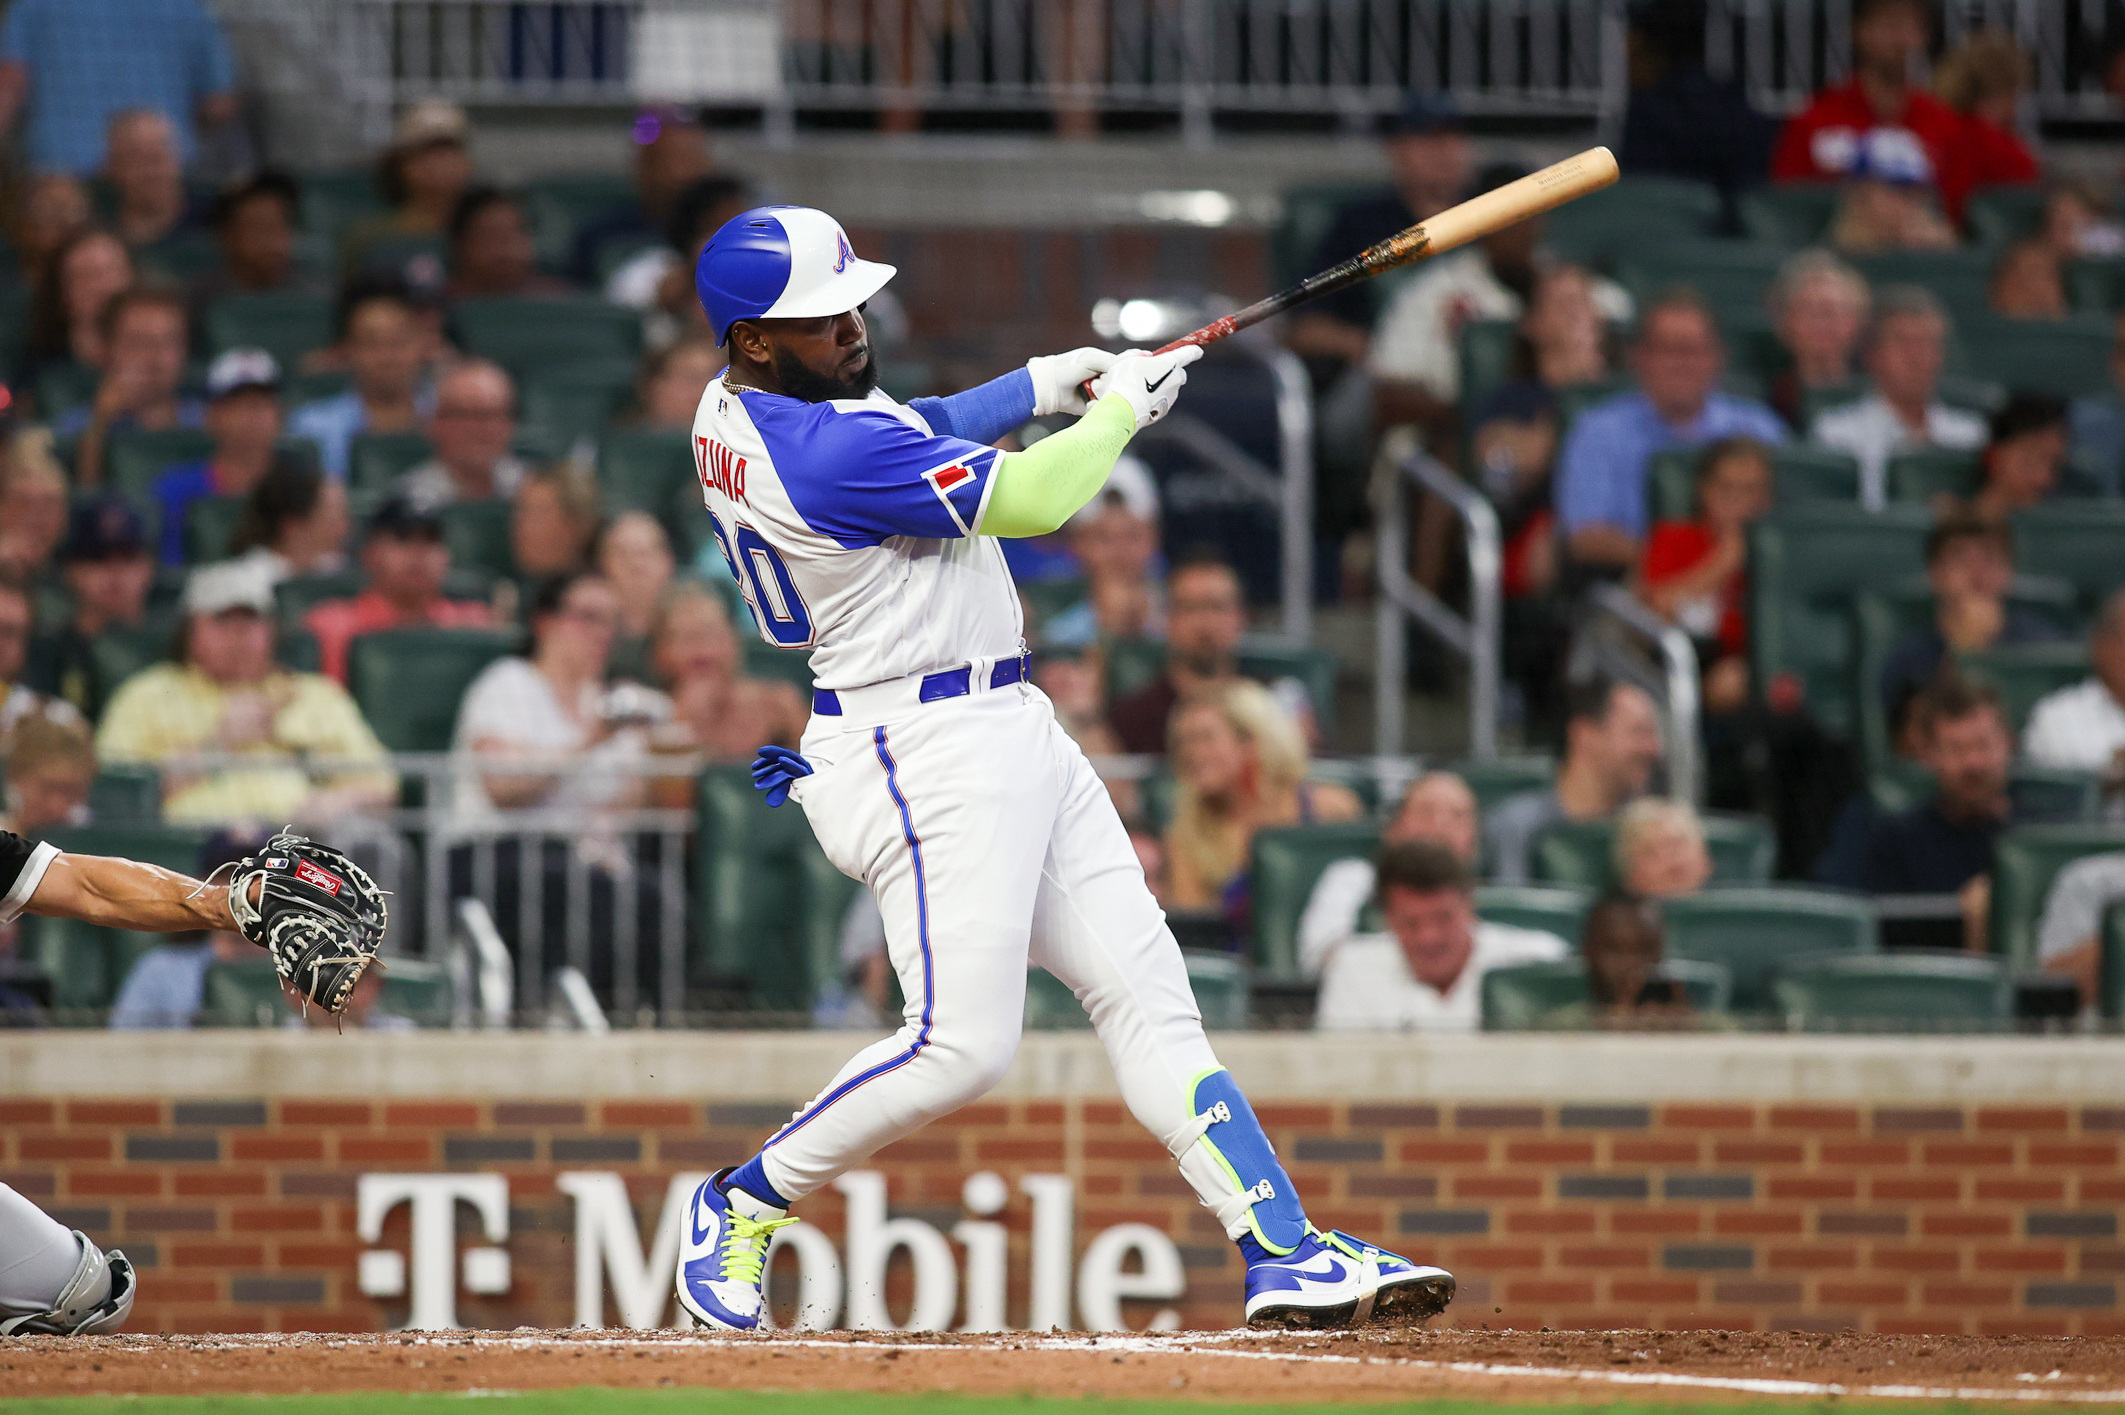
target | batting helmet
[{"x": 782, "y": 262}]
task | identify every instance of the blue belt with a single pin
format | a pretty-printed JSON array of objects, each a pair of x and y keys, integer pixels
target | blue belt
[{"x": 936, "y": 687}]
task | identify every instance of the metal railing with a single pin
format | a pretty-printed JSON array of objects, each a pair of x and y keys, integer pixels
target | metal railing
[
  {"x": 1477, "y": 638},
  {"x": 1675, "y": 686}
]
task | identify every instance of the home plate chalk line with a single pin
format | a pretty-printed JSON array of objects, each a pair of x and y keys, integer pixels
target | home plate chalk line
[{"x": 1213, "y": 1344}]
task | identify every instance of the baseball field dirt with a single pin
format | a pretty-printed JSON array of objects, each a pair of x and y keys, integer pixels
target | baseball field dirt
[{"x": 1491, "y": 1368}]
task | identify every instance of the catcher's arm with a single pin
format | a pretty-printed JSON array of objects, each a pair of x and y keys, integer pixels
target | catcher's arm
[{"x": 127, "y": 894}]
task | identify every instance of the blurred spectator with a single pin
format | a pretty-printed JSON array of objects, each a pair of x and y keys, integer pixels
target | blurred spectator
[
  {"x": 1969, "y": 565},
  {"x": 167, "y": 985},
  {"x": 19, "y": 701},
  {"x": 1239, "y": 763},
  {"x": 553, "y": 520},
  {"x": 1888, "y": 46},
  {"x": 1205, "y": 617},
  {"x": 668, "y": 392},
  {"x": 1601, "y": 471},
  {"x": 1439, "y": 809},
  {"x": 660, "y": 281},
  {"x": 294, "y": 523},
  {"x": 1424, "y": 974},
  {"x": 86, "y": 272},
  {"x": 383, "y": 344},
  {"x": 491, "y": 253},
  {"x": 152, "y": 214},
  {"x": 404, "y": 560},
  {"x": 421, "y": 176},
  {"x": 2082, "y": 728},
  {"x": 671, "y": 155},
  {"x": 1983, "y": 78},
  {"x": 33, "y": 505},
  {"x": 1695, "y": 572},
  {"x": 2069, "y": 936},
  {"x": 1624, "y": 946},
  {"x": 108, "y": 571},
  {"x": 471, "y": 428},
  {"x": 225, "y": 695},
  {"x": 254, "y": 225},
  {"x": 634, "y": 555},
  {"x": 1428, "y": 154},
  {"x": 1886, "y": 203},
  {"x": 1659, "y": 852},
  {"x": 78, "y": 63},
  {"x": 1819, "y": 308},
  {"x": 51, "y": 763},
  {"x": 45, "y": 211},
  {"x": 145, "y": 339},
  {"x": 1906, "y": 347},
  {"x": 1611, "y": 745},
  {"x": 243, "y": 417},
  {"x": 2080, "y": 222},
  {"x": 1682, "y": 122},
  {"x": 1945, "y": 845},
  {"x": 2026, "y": 283},
  {"x": 1114, "y": 539},
  {"x": 717, "y": 710},
  {"x": 2023, "y": 456},
  {"x": 2098, "y": 423}
]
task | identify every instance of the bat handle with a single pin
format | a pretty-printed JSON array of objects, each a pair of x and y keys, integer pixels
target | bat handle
[{"x": 1209, "y": 333}]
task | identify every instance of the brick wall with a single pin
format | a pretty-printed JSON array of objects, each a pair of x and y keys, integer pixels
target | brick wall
[{"x": 1978, "y": 1219}]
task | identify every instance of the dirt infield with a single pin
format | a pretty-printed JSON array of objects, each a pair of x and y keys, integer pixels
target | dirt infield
[{"x": 1376, "y": 1365}]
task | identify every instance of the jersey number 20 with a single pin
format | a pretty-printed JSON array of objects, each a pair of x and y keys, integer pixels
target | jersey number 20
[{"x": 765, "y": 581}]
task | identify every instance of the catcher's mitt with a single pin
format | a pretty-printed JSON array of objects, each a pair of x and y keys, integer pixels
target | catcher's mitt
[{"x": 318, "y": 913}]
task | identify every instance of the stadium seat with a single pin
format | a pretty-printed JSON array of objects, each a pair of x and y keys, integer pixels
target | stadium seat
[
  {"x": 1933, "y": 471},
  {"x": 120, "y": 653},
  {"x": 1805, "y": 565},
  {"x": 2000, "y": 215},
  {"x": 1733, "y": 277},
  {"x": 420, "y": 259},
  {"x": 1600, "y": 228},
  {"x": 767, "y": 904},
  {"x": 247, "y": 993},
  {"x": 1520, "y": 998},
  {"x": 209, "y": 525},
  {"x": 1750, "y": 931},
  {"x": 1908, "y": 991},
  {"x": 560, "y": 404},
  {"x": 524, "y": 335},
  {"x": 1550, "y": 908},
  {"x": 477, "y": 533},
  {"x": 409, "y": 682},
  {"x": 1051, "y": 1006},
  {"x": 1218, "y": 980},
  {"x": 2025, "y": 861},
  {"x": 1267, "y": 660},
  {"x": 2096, "y": 285},
  {"x": 1309, "y": 213},
  {"x": 1789, "y": 214},
  {"x": 133, "y": 460},
  {"x": 333, "y": 201},
  {"x": 125, "y": 793},
  {"x": 1286, "y": 864},
  {"x": 14, "y": 328},
  {"x": 377, "y": 459},
  {"x": 2049, "y": 795},
  {"x": 287, "y": 326},
  {"x": 1494, "y": 779},
  {"x": 1959, "y": 276},
  {"x": 2079, "y": 544},
  {"x": 1132, "y": 664},
  {"x": 561, "y": 207},
  {"x": 1802, "y": 473},
  {"x": 2023, "y": 673},
  {"x": 1581, "y": 853},
  {"x": 646, "y": 470},
  {"x": 64, "y": 386},
  {"x": 1486, "y": 359},
  {"x": 2069, "y": 358},
  {"x": 85, "y": 963},
  {"x": 297, "y": 595}
]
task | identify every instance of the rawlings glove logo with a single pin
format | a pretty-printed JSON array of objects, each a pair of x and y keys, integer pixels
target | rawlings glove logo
[{"x": 311, "y": 874}]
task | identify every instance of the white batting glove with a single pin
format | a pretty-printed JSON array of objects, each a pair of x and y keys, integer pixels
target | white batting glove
[
  {"x": 1149, "y": 381},
  {"x": 1059, "y": 379}
]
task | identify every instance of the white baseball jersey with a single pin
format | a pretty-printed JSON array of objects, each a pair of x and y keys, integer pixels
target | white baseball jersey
[{"x": 850, "y": 528}]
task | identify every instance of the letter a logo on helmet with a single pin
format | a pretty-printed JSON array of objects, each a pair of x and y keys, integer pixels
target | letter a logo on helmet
[{"x": 782, "y": 262}]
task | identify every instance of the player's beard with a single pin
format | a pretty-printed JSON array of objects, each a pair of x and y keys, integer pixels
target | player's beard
[{"x": 811, "y": 386}]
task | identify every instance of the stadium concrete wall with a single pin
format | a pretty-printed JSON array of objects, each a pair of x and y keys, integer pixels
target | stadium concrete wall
[{"x": 267, "y": 1181}]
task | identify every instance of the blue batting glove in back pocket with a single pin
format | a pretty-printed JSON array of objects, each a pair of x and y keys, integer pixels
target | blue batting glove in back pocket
[{"x": 775, "y": 769}]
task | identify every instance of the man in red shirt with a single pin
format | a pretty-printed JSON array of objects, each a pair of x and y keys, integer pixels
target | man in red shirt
[
  {"x": 405, "y": 558},
  {"x": 1822, "y": 141}
]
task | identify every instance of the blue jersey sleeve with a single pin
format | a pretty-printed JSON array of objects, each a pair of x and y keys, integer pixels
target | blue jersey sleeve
[{"x": 860, "y": 475}]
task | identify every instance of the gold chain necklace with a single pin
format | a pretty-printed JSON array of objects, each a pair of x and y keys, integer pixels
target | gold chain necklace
[{"x": 741, "y": 387}]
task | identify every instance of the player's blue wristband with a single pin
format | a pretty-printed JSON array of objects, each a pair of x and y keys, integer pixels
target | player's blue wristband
[{"x": 984, "y": 412}]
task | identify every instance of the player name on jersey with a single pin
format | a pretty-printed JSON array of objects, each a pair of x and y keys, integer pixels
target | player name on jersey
[{"x": 719, "y": 468}]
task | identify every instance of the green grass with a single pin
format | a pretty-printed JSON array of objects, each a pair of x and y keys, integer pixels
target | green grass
[{"x": 607, "y": 1401}]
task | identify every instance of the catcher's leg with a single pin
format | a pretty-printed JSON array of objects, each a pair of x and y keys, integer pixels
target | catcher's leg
[{"x": 53, "y": 1281}]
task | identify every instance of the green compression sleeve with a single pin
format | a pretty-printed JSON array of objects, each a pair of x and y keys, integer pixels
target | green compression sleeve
[{"x": 1037, "y": 490}]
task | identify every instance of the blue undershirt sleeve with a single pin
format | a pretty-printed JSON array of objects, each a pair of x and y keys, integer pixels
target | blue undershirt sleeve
[{"x": 984, "y": 412}]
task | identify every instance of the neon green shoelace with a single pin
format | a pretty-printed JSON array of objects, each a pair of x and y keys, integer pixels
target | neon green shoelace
[{"x": 745, "y": 1246}]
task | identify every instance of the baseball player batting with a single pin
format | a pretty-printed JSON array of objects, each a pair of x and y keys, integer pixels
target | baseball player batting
[
  {"x": 318, "y": 913},
  {"x": 862, "y": 530}
]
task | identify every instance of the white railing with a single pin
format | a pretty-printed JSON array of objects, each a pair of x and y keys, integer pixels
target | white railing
[{"x": 1477, "y": 637}]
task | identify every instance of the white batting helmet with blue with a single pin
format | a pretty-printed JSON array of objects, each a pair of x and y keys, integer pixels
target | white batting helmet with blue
[{"x": 782, "y": 262}]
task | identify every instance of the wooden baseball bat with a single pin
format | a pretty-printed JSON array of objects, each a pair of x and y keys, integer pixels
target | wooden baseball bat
[{"x": 1452, "y": 228}]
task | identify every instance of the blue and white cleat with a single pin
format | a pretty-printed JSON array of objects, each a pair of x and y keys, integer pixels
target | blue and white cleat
[
  {"x": 1406, "y": 1294},
  {"x": 724, "y": 1253},
  {"x": 1315, "y": 1287}
]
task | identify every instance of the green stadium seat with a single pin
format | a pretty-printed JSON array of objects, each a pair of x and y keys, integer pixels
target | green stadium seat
[
  {"x": 2051, "y": 795},
  {"x": 405, "y": 255},
  {"x": 1486, "y": 359},
  {"x": 120, "y": 653},
  {"x": 1309, "y": 213},
  {"x": 1999, "y": 215},
  {"x": 1267, "y": 660},
  {"x": 332, "y": 201},
  {"x": 1521, "y": 998},
  {"x": 1048, "y": 598},
  {"x": 1806, "y": 564},
  {"x": 477, "y": 533},
  {"x": 2069, "y": 358},
  {"x": 1803, "y": 473},
  {"x": 63, "y": 386},
  {"x": 641, "y": 469},
  {"x": 133, "y": 460},
  {"x": 767, "y": 904},
  {"x": 409, "y": 682},
  {"x": 1601, "y": 227},
  {"x": 377, "y": 459},
  {"x": 2096, "y": 285},
  {"x": 2079, "y": 545},
  {"x": 247, "y": 993},
  {"x": 1286, "y": 864},
  {"x": 297, "y": 388},
  {"x": 1580, "y": 854},
  {"x": 1789, "y": 214},
  {"x": 1894, "y": 992},
  {"x": 1495, "y": 779},
  {"x": 14, "y": 328},
  {"x": 1219, "y": 982},
  {"x": 1132, "y": 664},
  {"x": 1733, "y": 277},
  {"x": 1051, "y": 1006},
  {"x": 287, "y": 326},
  {"x": 561, "y": 404},
  {"x": 297, "y": 595},
  {"x": 2025, "y": 861},
  {"x": 524, "y": 335},
  {"x": 126, "y": 794},
  {"x": 2026, "y": 672},
  {"x": 2110, "y": 970},
  {"x": 209, "y": 525},
  {"x": 1752, "y": 931},
  {"x": 1933, "y": 471},
  {"x": 298, "y": 651},
  {"x": 561, "y": 207},
  {"x": 1550, "y": 908},
  {"x": 1960, "y": 277},
  {"x": 85, "y": 963}
]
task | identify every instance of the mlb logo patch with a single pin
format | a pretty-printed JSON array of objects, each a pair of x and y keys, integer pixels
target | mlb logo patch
[{"x": 311, "y": 874}]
